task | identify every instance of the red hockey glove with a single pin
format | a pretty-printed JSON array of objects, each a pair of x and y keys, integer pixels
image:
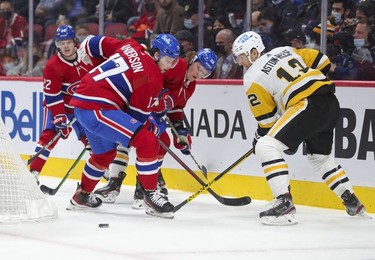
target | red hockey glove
[
  {"x": 165, "y": 103},
  {"x": 183, "y": 140},
  {"x": 61, "y": 123}
]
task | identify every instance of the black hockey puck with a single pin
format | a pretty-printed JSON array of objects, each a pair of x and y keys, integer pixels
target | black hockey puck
[{"x": 104, "y": 225}]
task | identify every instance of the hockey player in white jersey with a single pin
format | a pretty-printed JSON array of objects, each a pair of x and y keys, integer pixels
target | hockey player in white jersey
[{"x": 293, "y": 102}]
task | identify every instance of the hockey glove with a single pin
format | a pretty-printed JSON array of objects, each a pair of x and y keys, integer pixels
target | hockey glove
[
  {"x": 156, "y": 124},
  {"x": 183, "y": 140},
  {"x": 61, "y": 123},
  {"x": 165, "y": 103}
]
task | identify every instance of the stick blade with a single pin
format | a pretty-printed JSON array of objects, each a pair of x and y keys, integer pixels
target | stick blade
[
  {"x": 236, "y": 201},
  {"x": 47, "y": 190}
]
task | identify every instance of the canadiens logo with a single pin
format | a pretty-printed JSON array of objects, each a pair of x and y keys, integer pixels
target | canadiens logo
[
  {"x": 72, "y": 88},
  {"x": 133, "y": 121}
]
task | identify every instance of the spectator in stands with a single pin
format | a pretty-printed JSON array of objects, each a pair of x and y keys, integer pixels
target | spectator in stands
[
  {"x": 142, "y": 28},
  {"x": 308, "y": 12},
  {"x": 115, "y": 11},
  {"x": 187, "y": 42},
  {"x": 10, "y": 65},
  {"x": 343, "y": 13},
  {"x": 366, "y": 10},
  {"x": 259, "y": 5},
  {"x": 226, "y": 68},
  {"x": 82, "y": 31},
  {"x": 254, "y": 21},
  {"x": 13, "y": 30},
  {"x": 272, "y": 26},
  {"x": 285, "y": 8},
  {"x": 191, "y": 17},
  {"x": 170, "y": 18},
  {"x": 296, "y": 38},
  {"x": 48, "y": 11},
  {"x": 313, "y": 31},
  {"x": 219, "y": 22},
  {"x": 364, "y": 51}
]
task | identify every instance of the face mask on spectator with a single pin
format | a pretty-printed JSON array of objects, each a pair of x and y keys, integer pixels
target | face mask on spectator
[
  {"x": 7, "y": 15},
  {"x": 358, "y": 43},
  {"x": 266, "y": 28},
  {"x": 220, "y": 49},
  {"x": 188, "y": 23},
  {"x": 9, "y": 66},
  {"x": 81, "y": 38},
  {"x": 337, "y": 16},
  {"x": 150, "y": 7},
  {"x": 166, "y": 7}
]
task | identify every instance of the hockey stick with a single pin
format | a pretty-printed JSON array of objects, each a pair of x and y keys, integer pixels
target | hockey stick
[
  {"x": 202, "y": 168},
  {"x": 206, "y": 186},
  {"x": 50, "y": 191},
  {"x": 223, "y": 200},
  {"x": 57, "y": 136}
]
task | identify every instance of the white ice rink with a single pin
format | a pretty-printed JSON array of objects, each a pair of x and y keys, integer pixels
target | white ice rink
[{"x": 202, "y": 229}]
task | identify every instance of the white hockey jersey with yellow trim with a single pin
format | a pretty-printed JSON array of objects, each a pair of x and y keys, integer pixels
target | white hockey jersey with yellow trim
[{"x": 281, "y": 78}]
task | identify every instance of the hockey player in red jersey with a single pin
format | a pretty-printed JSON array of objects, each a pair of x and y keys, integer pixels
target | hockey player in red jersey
[
  {"x": 293, "y": 102},
  {"x": 178, "y": 86},
  {"x": 60, "y": 78},
  {"x": 115, "y": 104}
]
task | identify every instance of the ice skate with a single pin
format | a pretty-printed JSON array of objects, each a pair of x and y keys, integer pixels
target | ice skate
[
  {"x": 36, "y": 176},
  {"x": 138, "y": 196},
  {"x": 353, "y": 206},
  {"x": 109, "y": 193},
  {"x": 82, "y": 200},
  {"x": 162, "y": 186},
  {"x": 280, "y": 213},
  {"x": 157, "y": 204}
]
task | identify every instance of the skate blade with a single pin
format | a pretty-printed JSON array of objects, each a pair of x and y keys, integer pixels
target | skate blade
[
  {"x": 138, "y": 204},
  {"x": 284, "y": 220},
  {"x": 152, "y": 212},
  {"x": 79, "y": 207},
  {"x": 364, "y": 215}
]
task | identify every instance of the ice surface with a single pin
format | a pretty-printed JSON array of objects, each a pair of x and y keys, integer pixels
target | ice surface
[{"x": 202, "y": 229}]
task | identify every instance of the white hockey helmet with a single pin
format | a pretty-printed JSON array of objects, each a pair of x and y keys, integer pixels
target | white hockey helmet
[{"x": 245, "y": 43}]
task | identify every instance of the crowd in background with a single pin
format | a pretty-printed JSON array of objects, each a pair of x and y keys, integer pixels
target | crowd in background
[{"x": 350, "y": 29}]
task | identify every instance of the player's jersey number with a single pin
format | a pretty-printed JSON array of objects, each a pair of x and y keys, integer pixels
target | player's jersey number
[
  {"x": 113, "y": 66},
  {"x": 283, "y": 72}
]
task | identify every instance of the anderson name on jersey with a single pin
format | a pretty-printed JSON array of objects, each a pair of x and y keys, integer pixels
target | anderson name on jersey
[{"x": 129, "y": 80}]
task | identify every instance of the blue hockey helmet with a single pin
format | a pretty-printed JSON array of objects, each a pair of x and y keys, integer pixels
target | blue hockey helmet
[
  {"x": 167, "y": 44},
  {"x": 65, "y": 32},
  {"x": 207, "y": 58}
]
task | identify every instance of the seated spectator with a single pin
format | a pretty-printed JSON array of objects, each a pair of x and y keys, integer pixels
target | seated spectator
[
  {"x": 366, "y": 10},
  {"x": 82, "y": 31},
  {"x": 313, "y": 31},
  {"x": 226, "y": 68},
  {"x": 115, "y": 11},
  {"x": 364, "y": 51},
  {"x": 219, "y": 22},
  {"x": 296, "y": 38},
  {"x": 187, "y": 42},
  {"x": 142, "y": 28},
  {"x": 285, "y": 8},
  {"x": 170, "y": 18},
  {"x": 10, "y": 65},
  {"x": 14, "y": 30},
  {"x": 48, "y": 11},
  {"x": 271, "y": 28}
]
